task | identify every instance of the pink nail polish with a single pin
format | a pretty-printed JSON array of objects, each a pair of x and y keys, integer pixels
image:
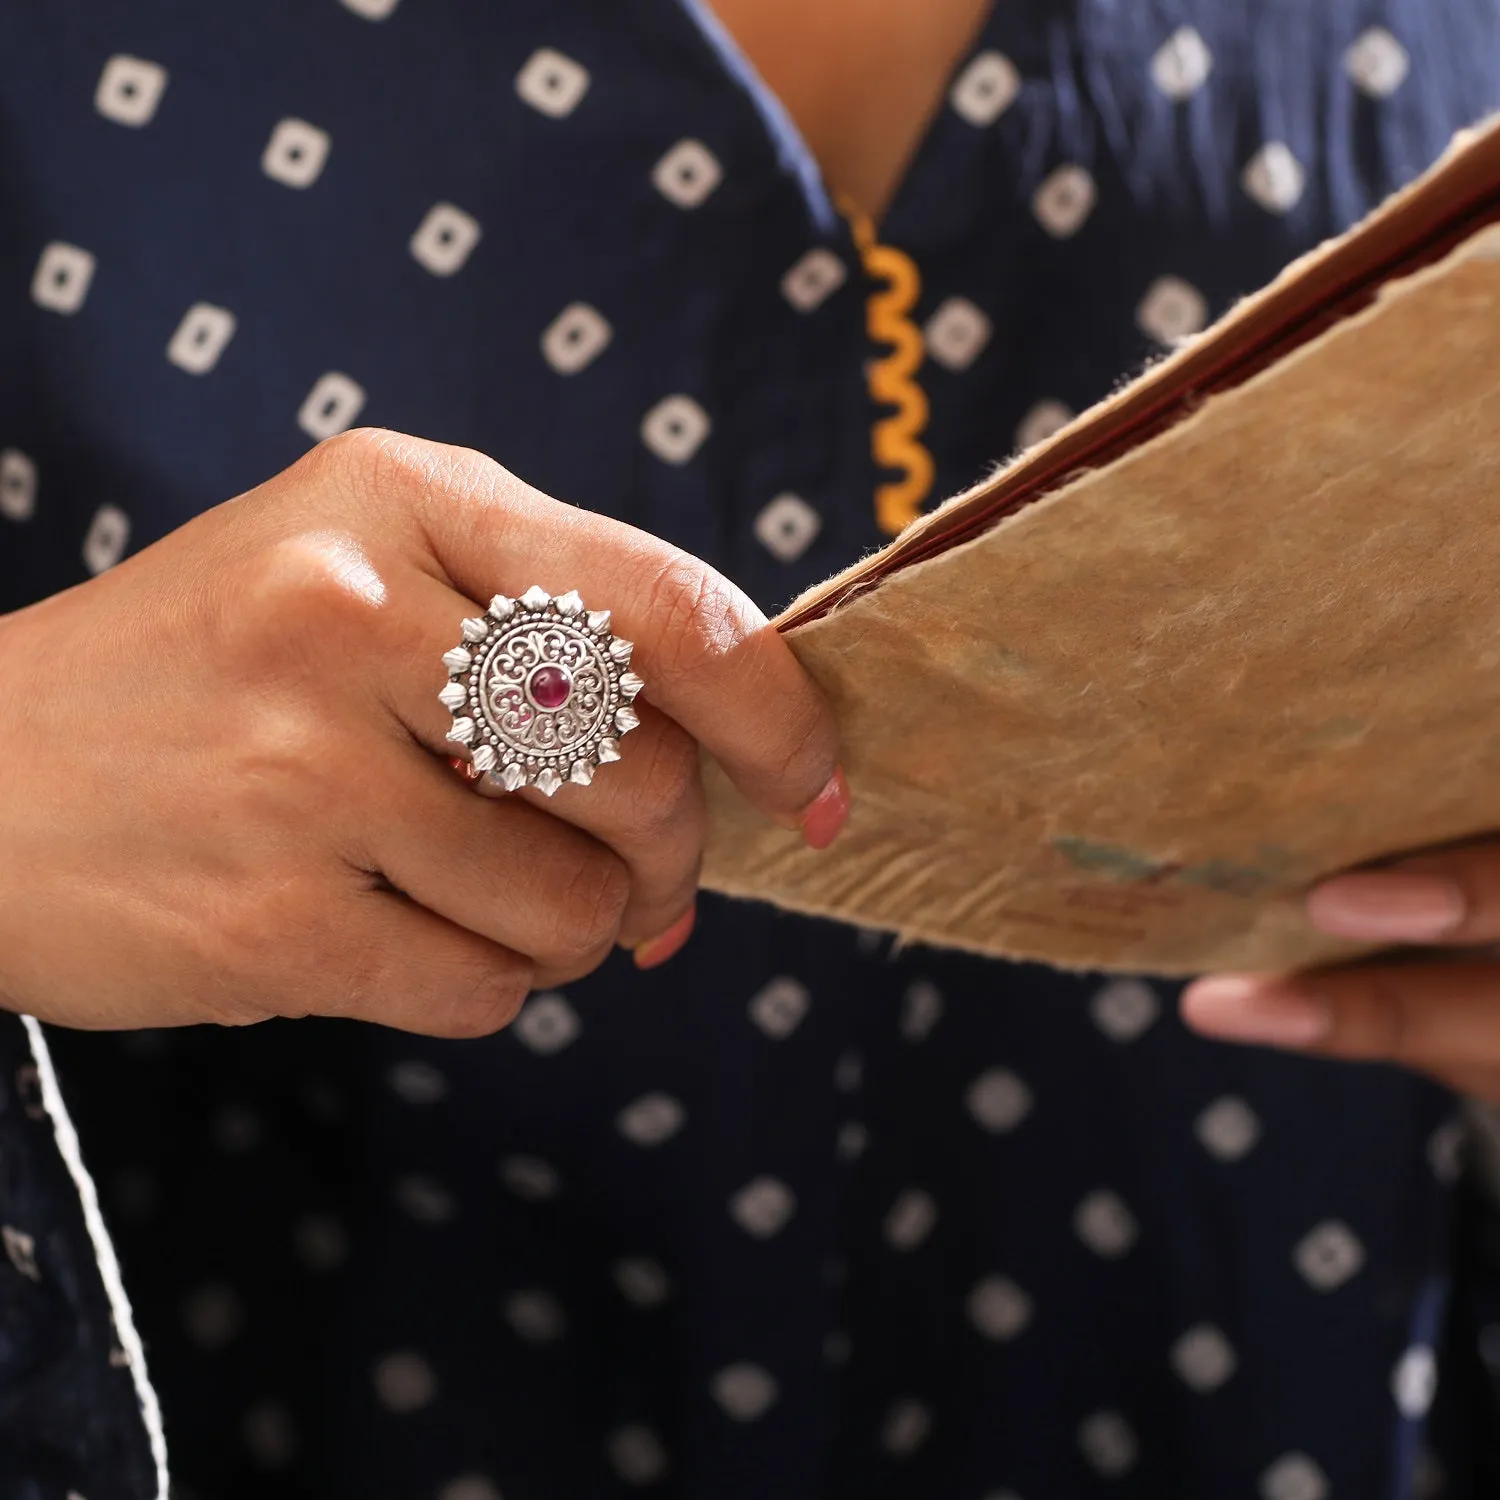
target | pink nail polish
[
  {"x": 1243, "y": 1008},
  {"x": 656, "y": 951},
  {"x": 1389, "y": 906},
  {"x": 827, "y": 813}
]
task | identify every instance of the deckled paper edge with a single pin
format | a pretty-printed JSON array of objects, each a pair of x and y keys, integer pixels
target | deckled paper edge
[
  {"x": 104, "y": 1251},
  {"x": 1483, "y": 244}
]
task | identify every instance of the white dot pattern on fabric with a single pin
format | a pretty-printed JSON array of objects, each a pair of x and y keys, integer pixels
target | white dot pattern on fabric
[
  {"x": 535, "y": 1316},
  {"x": 445, "y": 239},
  {"x": 642, "y": 1281},
  {"x": 1274, "y": 178},
  {"x": 848, "y": 1072},
  {"x": 129, "y": 90},
  {"x": 998, "y": 1100},
  {"x": 213, "y": 1316},
  {"x": 469, "y": 1487},
  {"x": 745, "y": 1391},
  {"x": 371, "y": 10},
  {"x": 1109, "y": 1444},
  {"x": 1378, "y": 63},
  {"x": 957, "y": 333},
  {"x": 921, "y": 1010},
  {"x": 651, "y": 1120},
  {"x": 999, "y": 1309},
  {"x": 62, "y": 278},
  {"x": 575, "y": 338},
  {"x": 1041, "y": 422},
  {"x": 268, "y": 1433},
  {"x": 763, "y": 1207},
  {"x": 552, "y": 83},
  {"x": 1104, "y": 1222},
  {"x": 404, "y": 1382},
  {"x": 1125, "y": 1009},
  {"x": 1414, "y": 1382},
  {"x": 105, "y": 541},
  {"x": 636, "y": 1454},
  {"x": 530, "y": 1178},
  {"x": 320, "y": 1241},
  {"x": 1182, "y": 65},
  {"x": 331, "y": 406},
  {"x": 907, "y": 1426},
  {"x": 1063, "y": 203},
  {"x": 1204, "y": 1358},
  {"x": 687, "y": 174},
  {"x": 296, "y": 153},
  {"x": 1172, "y": 310},
  {"x": 985, "y": 89},
  {"x": 853, "y": 1138},
  {"x": 1329, "y": 1255},
  {"x": 837, "y": 1348},
  {"x": 1228, "y": 1129},
  {"x": 1445, "y": 1147},
  {"x": 674, "y": 429},
  {"x": 20, "y": 1251},
  {"x": 1294, "y": 1476},
  {"x": 778, "y": 1009},
  {"x": 201, "y": 338},
  {"x": 18, "y": 485},
  {"x": 547, "y": 1024},
  {"x": 910, "y": 1219},
  {"x": 814, "y": 278},
  {"x": 423, "y": 1198},
  {"x": 787, "y": 526},
  {"x": 418, "y": 1082}
]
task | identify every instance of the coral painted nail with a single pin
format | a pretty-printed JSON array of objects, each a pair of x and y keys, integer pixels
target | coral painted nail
[
  {"x": 656, "y": 951},
  {"x": 827, "y": 813}
]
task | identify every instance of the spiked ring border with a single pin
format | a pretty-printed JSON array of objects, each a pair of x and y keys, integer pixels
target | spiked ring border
[{"x": 495, "y": 762}]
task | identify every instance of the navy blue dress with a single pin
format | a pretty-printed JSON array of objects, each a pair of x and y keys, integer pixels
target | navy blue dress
[{"x": 798, "y": 1215}]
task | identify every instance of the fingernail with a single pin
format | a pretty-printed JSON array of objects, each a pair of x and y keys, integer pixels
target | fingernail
[
  {"x": 1242, "y": 1008},
  {"x": 1388, "y": 905},
  {"x": 822, "y": 818},
  {"x": 656, "y": 951}
]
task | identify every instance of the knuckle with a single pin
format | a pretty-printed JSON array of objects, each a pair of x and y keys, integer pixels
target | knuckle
[
  {"x": 369, "y": 458},
  {"x": 700, "y": 615},
  {"x": 592, "y": 907},
  {"x": 301, "y": 594},
  {"x": 487, "y": 1004}
]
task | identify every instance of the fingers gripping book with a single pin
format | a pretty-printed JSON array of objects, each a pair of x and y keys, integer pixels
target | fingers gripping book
[{"x": 1234, "y": 629}]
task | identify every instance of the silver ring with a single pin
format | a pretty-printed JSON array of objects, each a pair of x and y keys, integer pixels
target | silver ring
[{"x": 540, "y": 693}]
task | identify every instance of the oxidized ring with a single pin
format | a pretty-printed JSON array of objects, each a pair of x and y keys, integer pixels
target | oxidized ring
[{"x": 539, "y": 692}]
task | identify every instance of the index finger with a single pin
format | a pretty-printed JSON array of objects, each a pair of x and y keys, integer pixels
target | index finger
[{"x": 708, "y": 655}]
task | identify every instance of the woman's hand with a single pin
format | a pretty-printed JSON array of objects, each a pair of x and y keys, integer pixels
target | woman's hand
[
  {"x": 224, "y": 792},
  {"x": 1439, "y": 1016}
]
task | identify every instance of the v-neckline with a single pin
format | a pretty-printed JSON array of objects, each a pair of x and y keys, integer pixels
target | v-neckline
[{"x": 786, "y": 135}]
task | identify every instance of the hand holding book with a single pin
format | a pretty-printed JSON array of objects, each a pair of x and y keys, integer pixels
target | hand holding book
[
  {"x": 1437, "y": 1012},
  {"x": 1230, "y": 633}
]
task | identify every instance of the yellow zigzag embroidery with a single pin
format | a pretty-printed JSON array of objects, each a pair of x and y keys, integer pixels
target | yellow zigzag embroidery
[{"x": 895, "y": 440}]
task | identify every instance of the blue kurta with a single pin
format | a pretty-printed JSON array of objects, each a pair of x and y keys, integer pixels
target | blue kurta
[{"x": 797, "y": 1216}]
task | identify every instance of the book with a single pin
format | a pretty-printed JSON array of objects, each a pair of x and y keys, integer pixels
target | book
[{"x": 1230, "y": 631}]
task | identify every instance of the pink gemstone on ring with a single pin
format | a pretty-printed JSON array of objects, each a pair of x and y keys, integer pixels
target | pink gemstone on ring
[{"x": 550, "y": 687}]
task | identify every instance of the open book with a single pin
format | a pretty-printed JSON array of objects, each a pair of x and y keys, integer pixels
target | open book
[{"x": 1232, "y": 630}]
